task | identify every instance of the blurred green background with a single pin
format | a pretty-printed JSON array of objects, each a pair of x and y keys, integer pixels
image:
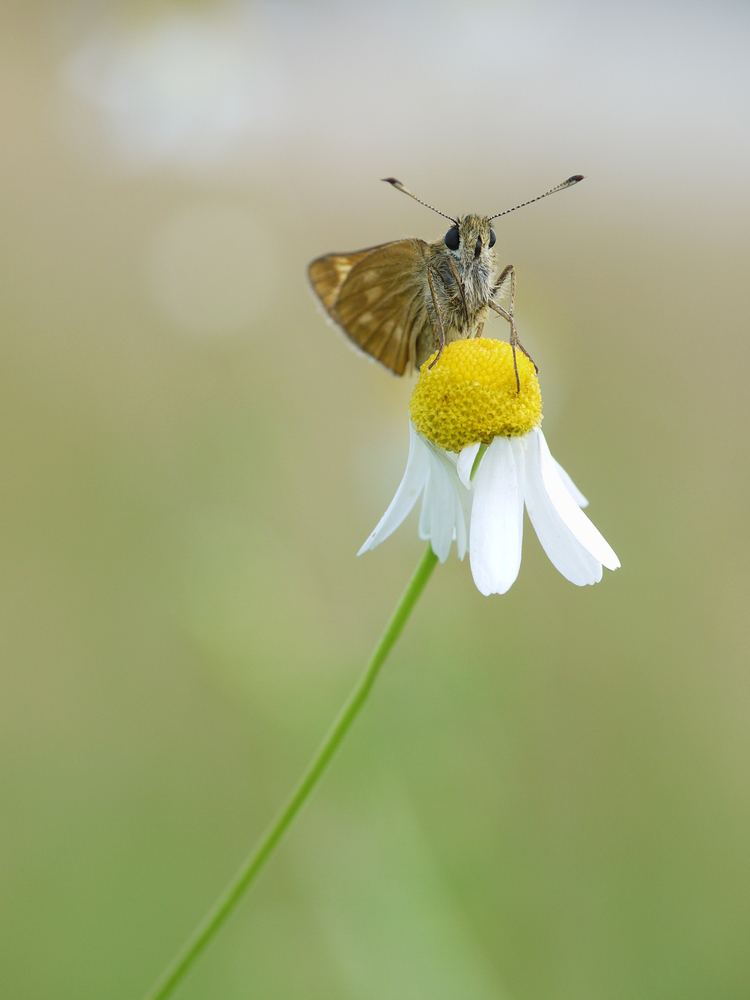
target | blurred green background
[{"x": 547, "y": 797}]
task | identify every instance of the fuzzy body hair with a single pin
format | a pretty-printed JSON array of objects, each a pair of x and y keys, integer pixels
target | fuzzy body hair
[{"x": 463, "y": 308}]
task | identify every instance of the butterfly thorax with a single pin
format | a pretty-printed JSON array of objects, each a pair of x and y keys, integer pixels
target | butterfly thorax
[{"x": 465, "y": 275}]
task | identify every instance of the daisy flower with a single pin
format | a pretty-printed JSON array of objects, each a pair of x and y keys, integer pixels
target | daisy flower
[{"x": 477, "y": 455}]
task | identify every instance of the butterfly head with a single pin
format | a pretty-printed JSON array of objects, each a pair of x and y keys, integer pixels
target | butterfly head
[{"x": 471, "y": 238}]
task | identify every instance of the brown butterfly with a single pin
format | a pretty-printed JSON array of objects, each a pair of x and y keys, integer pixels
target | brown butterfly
[{"x": 400, "y": 301}]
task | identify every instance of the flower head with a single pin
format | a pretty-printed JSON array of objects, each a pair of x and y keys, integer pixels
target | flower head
[
  {"x": 478, "y": 454},
  {"x": 470, "y": 395}
]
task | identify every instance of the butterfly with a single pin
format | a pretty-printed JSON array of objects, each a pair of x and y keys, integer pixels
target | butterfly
[{"x": 400, "y": 302}]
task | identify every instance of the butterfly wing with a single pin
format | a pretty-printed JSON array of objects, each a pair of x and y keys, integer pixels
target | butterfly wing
[
  {"x": 377, "y": 298},
  {"x": 327, "y": 274}
]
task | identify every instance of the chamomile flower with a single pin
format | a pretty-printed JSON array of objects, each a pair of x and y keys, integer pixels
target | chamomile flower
[{"x": 477, "y": 455}]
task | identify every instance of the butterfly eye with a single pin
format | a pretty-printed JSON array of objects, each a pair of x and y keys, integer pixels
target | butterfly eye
[
  {"x": 452, "y": 239},
  {"x": 492, "y": 237}
]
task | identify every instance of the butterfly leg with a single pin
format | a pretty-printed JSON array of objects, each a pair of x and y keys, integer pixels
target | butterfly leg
[
  {"x": 431, "y": 282},
  {"x": 460, "y": 287},
  {"x": 510, "y": 272}
]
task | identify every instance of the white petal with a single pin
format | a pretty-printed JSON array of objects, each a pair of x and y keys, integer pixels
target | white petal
[
  {"x": 563, "y": 549},
  {"x": 462, "y": 533},
  {"x": 415, "y": 477},
  {"x": 563, "y": 529},
  {"x": 579, "y": 524},
  {"x": 497, "y": 518},
  {"x": 570, "y": 486},
  {"x": 442, "y": 515},
  {"x": 465, "y": 463}
]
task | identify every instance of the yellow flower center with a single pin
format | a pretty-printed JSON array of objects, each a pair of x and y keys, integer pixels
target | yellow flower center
[{"x": 470, "y": 395}]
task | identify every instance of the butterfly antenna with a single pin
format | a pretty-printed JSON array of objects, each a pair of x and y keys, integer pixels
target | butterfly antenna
[
  {"x": 400, "y": 187},
  {"x": 560, "y": 187}
]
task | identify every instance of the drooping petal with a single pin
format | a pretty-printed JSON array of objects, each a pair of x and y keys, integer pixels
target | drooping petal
[
  {"x": 570, "y": 486},
  {"x": 442, "y": 517},
  {"x": 571, "y": 541},
  {"x": 579, "y": 524},
  {"x": 412, "y": 484},
  {"x": 496, "y": 530},
  {"x": 465, "y": 463},
  {"x": 466, "y": 498}
]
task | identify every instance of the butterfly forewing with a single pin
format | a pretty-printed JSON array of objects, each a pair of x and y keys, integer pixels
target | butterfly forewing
[
  {"x": 328, "y": 273},
  {"x": 377, "y": 298}
]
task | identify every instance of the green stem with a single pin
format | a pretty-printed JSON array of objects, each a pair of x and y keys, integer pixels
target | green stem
[{"x": 270, "y": 840}]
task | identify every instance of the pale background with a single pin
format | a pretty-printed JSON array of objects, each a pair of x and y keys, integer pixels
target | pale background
[{"x": 548, "y": 797}]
